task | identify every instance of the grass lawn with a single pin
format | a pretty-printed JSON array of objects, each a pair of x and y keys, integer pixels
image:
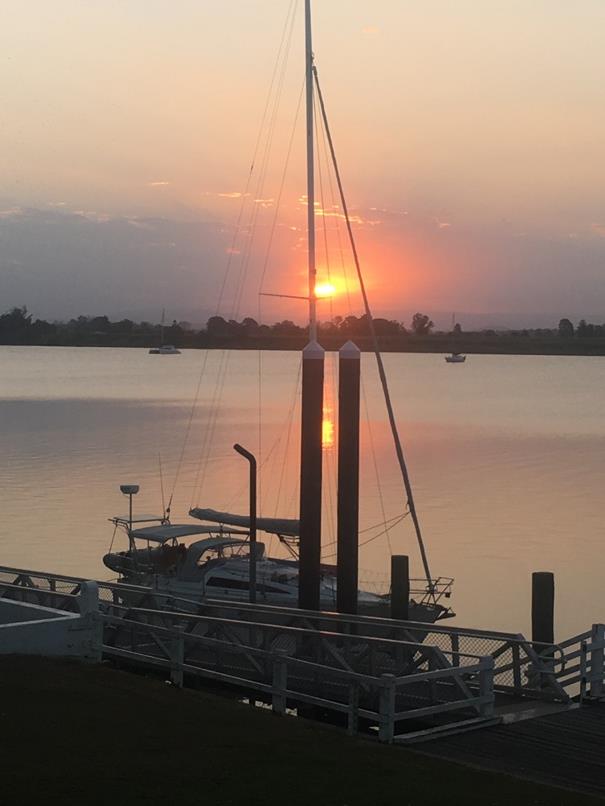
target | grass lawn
[{"x": 80, "y": 734}]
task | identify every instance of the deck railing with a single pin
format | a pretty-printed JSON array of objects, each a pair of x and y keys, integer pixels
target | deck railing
[{"x": 437, "y": 669}]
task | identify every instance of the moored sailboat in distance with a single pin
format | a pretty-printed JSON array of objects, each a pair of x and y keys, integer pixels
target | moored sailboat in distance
[
  {"x": 454, "y": 357},
  {"x": 164, "y": 349}
]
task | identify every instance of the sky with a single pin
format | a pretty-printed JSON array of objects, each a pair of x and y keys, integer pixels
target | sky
[{"x": 469, "y": 135}]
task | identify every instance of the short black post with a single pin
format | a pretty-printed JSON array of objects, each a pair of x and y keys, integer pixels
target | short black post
[
  {"x": 349, "y": 365},
  {"x": 309, "y": 561},
  {"x": 252, "y": 562},
  {"x": 400, "y": 587},
  {"x": 543, "y": 607}
]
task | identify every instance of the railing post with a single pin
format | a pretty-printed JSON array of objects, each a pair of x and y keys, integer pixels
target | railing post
[
  {"x": 280, "y": 683},
  {"x": 455, "y": 643},
  {"x": 353, "y": 712},
  {"x": 597, "y": 667},
  {"x": 386, "y": 709},
  {"x": 583, "y": 671},
  {"x": 88, "y": 601},
  {"x": 177, "y": 657},
  {"x": 486, "y": 685},
  {"x": 517, "y": 678}
]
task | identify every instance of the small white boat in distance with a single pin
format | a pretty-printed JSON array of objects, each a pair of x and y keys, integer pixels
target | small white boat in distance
[
  {"x": 164, "y": 349},
  {"x": 455, "y": 358}
]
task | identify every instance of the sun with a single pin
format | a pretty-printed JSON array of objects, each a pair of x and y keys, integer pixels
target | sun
[{"x": 324, "y": 290}]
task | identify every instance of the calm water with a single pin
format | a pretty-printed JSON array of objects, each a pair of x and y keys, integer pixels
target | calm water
[{"x": 507, "y": 456}]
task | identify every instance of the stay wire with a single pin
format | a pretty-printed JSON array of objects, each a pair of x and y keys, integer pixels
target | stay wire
[{"x": 377, "y": 353}]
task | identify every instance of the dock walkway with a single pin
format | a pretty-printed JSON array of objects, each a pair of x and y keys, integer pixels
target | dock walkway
[
  {"x": 564, "y": 749},
  {"x": 402, "y": 681}
]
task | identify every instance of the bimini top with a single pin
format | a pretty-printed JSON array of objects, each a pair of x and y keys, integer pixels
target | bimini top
[
  {"x": 273, "y": 526},
  {"x": 163, "y": 533}
]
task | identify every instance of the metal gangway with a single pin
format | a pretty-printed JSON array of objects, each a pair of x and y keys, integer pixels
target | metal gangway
[{"x": 403, "y": 681}]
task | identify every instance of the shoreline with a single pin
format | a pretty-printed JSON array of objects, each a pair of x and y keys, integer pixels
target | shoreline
[{"x": 431, "y": 345}]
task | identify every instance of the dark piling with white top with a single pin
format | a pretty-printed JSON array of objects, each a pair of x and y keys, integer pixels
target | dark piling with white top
[
  {"x": 310, "y": 476},
  {"x": 543, "y": 607},
  {"x": 349, "y": 364}
]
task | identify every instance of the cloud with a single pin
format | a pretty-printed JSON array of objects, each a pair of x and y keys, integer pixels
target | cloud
[
  {"x": 234, "y": 194},
  {"x": 93, "y": 215},
  {"x": 159, "y": 183},
  {"x": 370, "y": 30},
  {"x": 12, "y": 212},
  {"x": 135, "y": 222},
  {"x": 599, "y": 229}
]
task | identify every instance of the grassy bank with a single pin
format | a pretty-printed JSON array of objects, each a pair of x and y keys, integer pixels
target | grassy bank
[{"x": 93, "y": 735}]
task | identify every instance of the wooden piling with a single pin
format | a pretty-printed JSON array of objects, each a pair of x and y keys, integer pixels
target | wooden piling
[
  {"x": 310, "y": 476},
  {"x": 349, "y": 362},
  {"x": 542, "y": 607},
  {"x": 400, "y": 587}
]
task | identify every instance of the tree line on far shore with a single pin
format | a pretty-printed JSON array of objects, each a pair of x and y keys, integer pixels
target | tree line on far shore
[{"x": 18, "y": 327}]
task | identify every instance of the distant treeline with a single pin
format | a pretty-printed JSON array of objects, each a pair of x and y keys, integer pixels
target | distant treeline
[{"x": 18, "y": 327}]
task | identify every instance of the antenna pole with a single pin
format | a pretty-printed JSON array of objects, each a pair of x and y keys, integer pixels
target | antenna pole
[{"x": 310, "y": 173}]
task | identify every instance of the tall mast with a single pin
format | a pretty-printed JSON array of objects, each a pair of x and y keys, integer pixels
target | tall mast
[{"x": 310, "y": 173}]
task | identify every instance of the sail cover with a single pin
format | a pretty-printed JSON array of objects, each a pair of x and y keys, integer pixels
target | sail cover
[{"x": 273, "y": 526}]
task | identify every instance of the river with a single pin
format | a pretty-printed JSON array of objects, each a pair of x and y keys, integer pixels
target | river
[{"x": 506, "y": 455}]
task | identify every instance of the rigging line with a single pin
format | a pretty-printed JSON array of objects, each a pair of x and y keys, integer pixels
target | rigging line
[
  {"x": 375, "y": 463},
  {"x": 213, "y": 417},
  {"x": 289, "y": 423},
  {"x": 113, "y": 537},
  {"x": 337, "y": 219},
  {"x": 162, "y": 485},
  {"x": 365, "y": 542},
  {"x": 281, "y": 190},
  {"x": 244, "y": 263},
  {"x": 321, "y": 141},
  {"x": 243, "y": 487},
  {"x": 265, "y": 161},
  {"x": 381, "y": 370},
  {"x": 380, "y": 525},
  {"x": 375, "y": 537},
  {"x": 331, "y": 369},
  {"x": 232, "y": 250},
  {"x": 263, "y": 274}
]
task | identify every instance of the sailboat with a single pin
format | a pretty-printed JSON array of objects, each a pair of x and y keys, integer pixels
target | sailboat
[
  {"x": 219, "y": 565},
  {"x": 455, "y": 358},
  {"x": 164, "y": 349}
]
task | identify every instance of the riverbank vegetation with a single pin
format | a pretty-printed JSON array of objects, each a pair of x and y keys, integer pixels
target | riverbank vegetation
[
  {"x": 82, "y": 733},
  {"x": 18, "y": 327}
]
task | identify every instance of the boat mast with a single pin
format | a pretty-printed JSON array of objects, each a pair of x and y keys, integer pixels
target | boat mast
[{"x": 310, "y": 174}]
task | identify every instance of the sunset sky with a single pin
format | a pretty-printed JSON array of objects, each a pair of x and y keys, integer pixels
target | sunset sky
[{"x": 470, "y": 136}]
